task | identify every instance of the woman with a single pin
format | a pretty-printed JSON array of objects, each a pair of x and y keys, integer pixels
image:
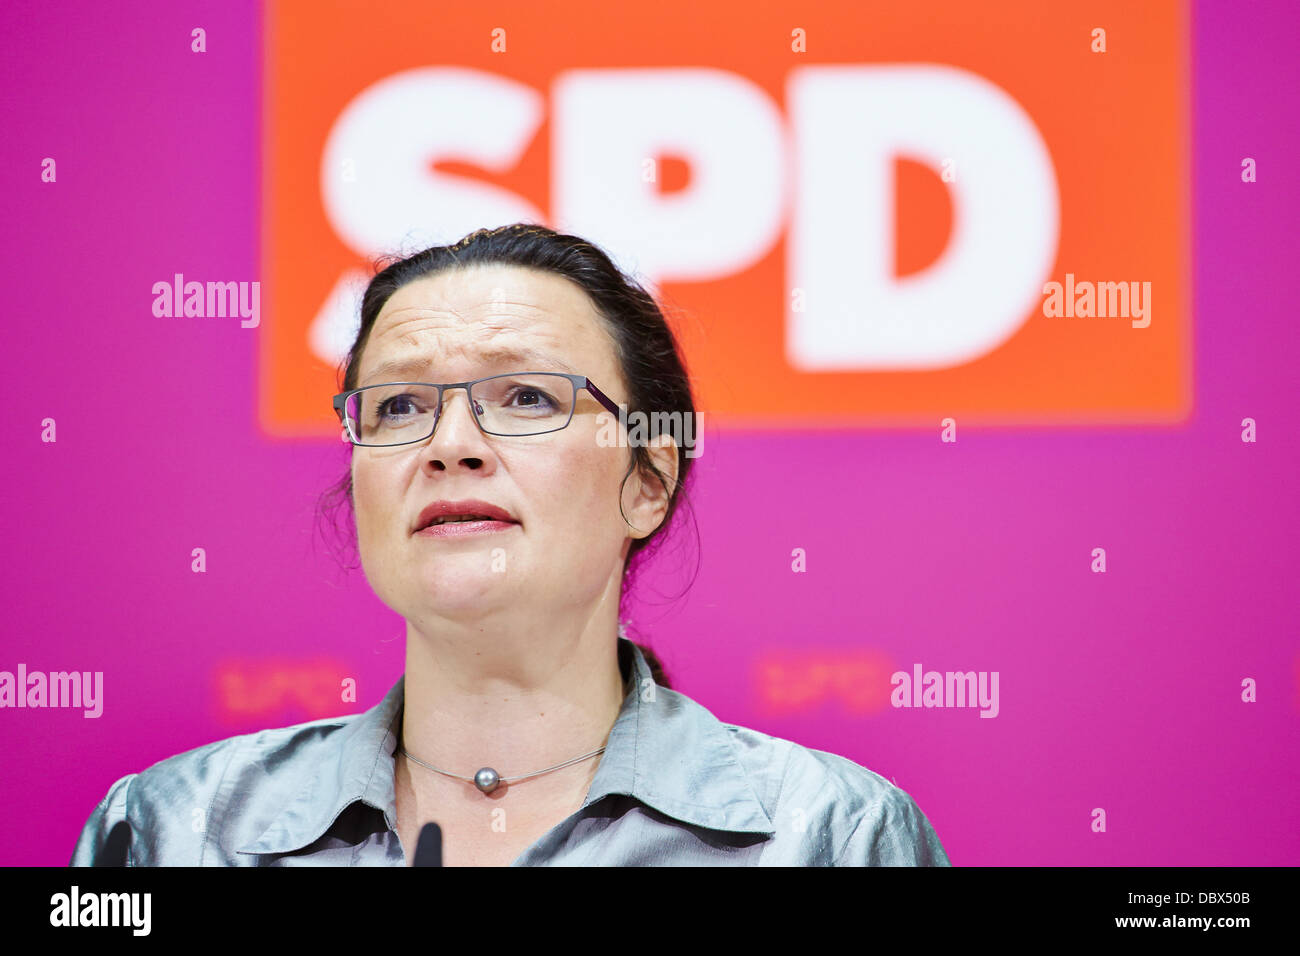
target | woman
[{"x": 501, "y": 523}]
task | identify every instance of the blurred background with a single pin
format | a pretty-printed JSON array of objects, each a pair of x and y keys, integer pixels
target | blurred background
[{"x": 853, "y": 216}]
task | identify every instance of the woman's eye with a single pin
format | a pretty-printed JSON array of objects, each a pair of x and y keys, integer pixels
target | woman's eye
[
  {"x": 387, "y": 406},
  {"x": 531, "y": 402}
]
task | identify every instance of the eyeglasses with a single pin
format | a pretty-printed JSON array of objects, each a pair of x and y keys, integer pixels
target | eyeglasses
[{"x": 518, "y": 403}]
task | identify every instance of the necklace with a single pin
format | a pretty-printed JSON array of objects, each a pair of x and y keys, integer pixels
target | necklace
[{"x": 488, "y": 779}]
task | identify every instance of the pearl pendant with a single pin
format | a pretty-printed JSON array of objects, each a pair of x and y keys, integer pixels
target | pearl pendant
[{"x": 487, "y": 779}]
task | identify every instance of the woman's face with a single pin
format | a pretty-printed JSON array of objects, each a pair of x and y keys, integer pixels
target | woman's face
[{"x": 562, "y": 487}]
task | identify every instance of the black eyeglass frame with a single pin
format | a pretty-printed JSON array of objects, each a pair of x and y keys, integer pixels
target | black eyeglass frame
[{"x": 579, "y": 382}]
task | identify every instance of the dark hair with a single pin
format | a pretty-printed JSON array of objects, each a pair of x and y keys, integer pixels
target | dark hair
[{"x": 645, "y": 347}]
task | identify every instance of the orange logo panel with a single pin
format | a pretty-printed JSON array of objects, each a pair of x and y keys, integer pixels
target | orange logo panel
[{"x": 856, "y": 217}]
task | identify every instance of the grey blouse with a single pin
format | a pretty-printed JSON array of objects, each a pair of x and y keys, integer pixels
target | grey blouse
[{"x": 674, "y": 787}]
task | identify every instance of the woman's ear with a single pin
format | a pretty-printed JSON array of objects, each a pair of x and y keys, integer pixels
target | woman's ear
[{"x": 650, "y": 497}]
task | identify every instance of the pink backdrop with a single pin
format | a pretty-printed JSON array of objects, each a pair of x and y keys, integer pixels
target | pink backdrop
[{"x": 1119, "y": 690}]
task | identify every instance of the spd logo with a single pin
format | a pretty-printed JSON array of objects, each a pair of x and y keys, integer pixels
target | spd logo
[{"x": 855, "y": 216}]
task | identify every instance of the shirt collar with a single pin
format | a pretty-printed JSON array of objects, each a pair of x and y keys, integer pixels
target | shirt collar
[{"x": 664, "y": 749}]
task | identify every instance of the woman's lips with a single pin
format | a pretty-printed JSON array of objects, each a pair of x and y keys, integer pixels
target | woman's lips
[{"x": 456, "y": 529}]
